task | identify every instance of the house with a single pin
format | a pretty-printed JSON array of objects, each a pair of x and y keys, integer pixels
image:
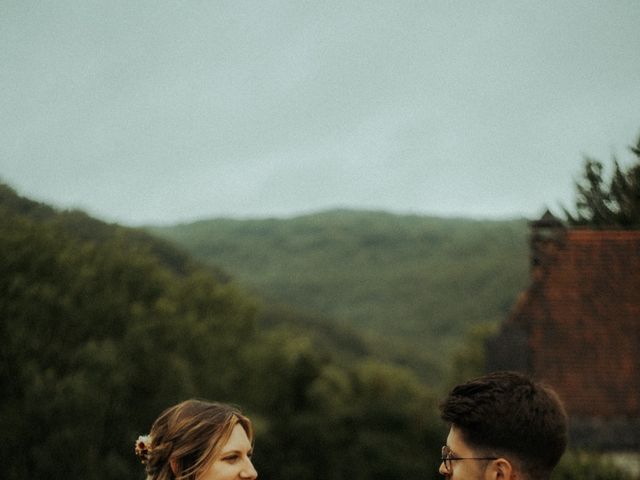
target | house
[{"x": 577, "y": 328}]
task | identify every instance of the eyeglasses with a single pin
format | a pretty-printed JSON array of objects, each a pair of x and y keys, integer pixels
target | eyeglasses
[{"x": 448, "y": 457}]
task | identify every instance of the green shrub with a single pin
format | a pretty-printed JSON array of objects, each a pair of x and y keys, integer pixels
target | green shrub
[{"x": 578, "y": 465}]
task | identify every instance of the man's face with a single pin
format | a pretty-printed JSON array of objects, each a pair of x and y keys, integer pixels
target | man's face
[{"x": 466, "y": 467}]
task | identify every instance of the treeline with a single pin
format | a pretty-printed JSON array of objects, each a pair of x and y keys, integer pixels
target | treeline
[
  {"x": 608, "y": 199},
  {"x": 104, "y": 326},
  {"x": 415, "y": 285}
]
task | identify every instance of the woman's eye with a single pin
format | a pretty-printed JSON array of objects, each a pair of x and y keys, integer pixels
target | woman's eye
[{"x": 231, "y": 458}]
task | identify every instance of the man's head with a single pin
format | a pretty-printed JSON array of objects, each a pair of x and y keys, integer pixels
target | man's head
[{"x": 503, "y": 423}]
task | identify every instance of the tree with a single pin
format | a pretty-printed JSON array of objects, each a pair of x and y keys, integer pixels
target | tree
[
  {"x": 99, "y": 336},
  {"x": 613, "y": 203}
]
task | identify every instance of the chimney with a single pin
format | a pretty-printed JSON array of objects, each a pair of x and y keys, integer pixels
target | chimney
[{"x": 546, "y": 237}]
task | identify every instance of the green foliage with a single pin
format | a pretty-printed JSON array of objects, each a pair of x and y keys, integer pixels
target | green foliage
[
  {"x": 365, "y": 421},
  {"x": 603, "y": 203},
  {"x": 98, "y": 337},
  {"x": 103, "y": 327},
  {"x": 590, "y": 466},
  {"x": 412, "y": 284},
  {"x": 469, "y": 359}
]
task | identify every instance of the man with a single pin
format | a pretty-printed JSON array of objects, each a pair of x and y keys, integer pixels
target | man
[{"x": 503, "y": 426}]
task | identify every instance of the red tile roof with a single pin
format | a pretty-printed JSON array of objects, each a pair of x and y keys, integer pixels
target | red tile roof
[{"x": 582, "y": 319}]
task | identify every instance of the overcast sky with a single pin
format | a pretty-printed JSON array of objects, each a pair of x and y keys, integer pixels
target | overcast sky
[{"x": 165, "y": 111}]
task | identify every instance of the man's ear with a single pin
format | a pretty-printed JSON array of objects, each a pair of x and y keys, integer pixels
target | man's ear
[{"x": 500, "y": 469}]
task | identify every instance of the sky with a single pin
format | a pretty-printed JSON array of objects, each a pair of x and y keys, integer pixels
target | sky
[{"x": 169, "y": 111}]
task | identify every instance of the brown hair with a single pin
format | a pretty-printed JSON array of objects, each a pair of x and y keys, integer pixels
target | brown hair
[
  {"x": 188, "y": 436},
  {"x": 508, "y": 414}
]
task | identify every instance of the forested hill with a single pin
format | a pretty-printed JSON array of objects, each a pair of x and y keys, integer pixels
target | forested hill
[
  {"x": 103, "y": 327},
  {"x": 418, "y": 282}
]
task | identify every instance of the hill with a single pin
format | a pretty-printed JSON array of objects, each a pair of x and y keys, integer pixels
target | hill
[
  {"x": 105, "y": 326},
  {"x": 413, "y": 284}
]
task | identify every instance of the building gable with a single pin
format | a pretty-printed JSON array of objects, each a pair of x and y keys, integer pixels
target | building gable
[{"x": 577, "y": 327}]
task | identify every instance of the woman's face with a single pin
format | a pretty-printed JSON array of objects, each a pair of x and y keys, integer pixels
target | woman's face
[{"x": 234, "y": 461}]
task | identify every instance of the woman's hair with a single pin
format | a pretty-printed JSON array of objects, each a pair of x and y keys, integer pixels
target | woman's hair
[{"x": 187, "y": 438}]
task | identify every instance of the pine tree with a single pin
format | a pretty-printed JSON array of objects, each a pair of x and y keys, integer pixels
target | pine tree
[{"x": 608, "y": 204}]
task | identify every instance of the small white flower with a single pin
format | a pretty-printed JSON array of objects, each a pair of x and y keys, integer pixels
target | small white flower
[{"x": 143, "y": 447}]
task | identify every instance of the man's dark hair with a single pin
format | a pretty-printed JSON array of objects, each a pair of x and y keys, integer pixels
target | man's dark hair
[{"x": 508, "y": 414}]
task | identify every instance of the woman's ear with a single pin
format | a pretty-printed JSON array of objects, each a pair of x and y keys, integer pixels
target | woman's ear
[
  {"x": 174, "y": 466},
  {"x": 500, "y": 469}
]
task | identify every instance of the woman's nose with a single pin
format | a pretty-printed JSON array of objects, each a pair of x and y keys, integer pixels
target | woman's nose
[{"x": 249, "y": 471}]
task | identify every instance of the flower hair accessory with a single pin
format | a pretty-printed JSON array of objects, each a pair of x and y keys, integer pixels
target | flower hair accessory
[{"x": 143, "y": 447}]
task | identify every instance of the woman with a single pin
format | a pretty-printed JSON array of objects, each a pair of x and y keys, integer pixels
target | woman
[{"x": 198, "y": 440}]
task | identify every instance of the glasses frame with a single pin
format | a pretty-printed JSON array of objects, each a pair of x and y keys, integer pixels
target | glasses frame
[{"x": 447, "y": 457}]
